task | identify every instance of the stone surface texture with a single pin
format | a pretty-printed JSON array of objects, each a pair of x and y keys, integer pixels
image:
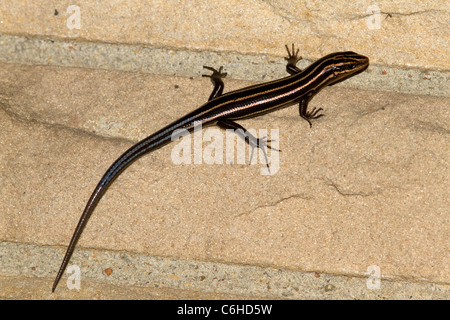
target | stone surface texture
[{"x": 366, "y": 187}]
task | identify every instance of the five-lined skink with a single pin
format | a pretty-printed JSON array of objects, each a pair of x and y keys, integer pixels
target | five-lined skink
[{"x": 224, "y": 109}]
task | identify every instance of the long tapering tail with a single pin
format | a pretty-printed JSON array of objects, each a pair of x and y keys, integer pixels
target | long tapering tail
[{"x": 147, "y": 145}]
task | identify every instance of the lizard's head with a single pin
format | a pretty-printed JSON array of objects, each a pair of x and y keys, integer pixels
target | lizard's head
[{"x": 339, "y": 66}]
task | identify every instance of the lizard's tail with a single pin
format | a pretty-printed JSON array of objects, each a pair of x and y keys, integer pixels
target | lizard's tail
[{"x": 147, "y": 145}]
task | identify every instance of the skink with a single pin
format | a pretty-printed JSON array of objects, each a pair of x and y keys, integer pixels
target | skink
[{"x": 223, "y": 109}]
